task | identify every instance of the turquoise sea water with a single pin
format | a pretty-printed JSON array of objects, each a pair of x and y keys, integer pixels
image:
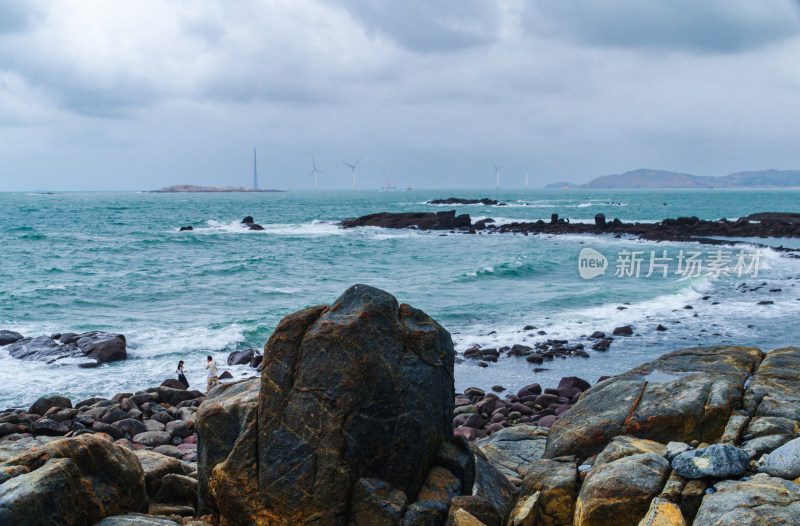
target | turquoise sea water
[{"x": 117, "y": 262}]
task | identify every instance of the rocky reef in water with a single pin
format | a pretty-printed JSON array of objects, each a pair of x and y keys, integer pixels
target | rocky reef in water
[
  {"x": 766, "y": 224},
  {"x": 460, "y": 201},
  {"x": 352, "y": 422},
  {"x": 89, "y": 349}
]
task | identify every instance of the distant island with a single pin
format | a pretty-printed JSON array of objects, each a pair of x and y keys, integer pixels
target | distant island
[
  {"x": 644, "y": 178},
  {"x": 190, "y": 188}
]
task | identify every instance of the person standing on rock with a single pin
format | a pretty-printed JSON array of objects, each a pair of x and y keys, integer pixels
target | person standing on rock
[
  {"x": 182, "y": 375},
  {"x": 213, "y": 379}
]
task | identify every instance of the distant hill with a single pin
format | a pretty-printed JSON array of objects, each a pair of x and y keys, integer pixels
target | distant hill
[
  {"x": 190, "y": 188},
  {"x": 645, "y": 178}
]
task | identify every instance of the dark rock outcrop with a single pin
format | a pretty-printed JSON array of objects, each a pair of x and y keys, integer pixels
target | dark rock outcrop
[
  {"x": 359, "y": 389},
  {"x": 460, "y": 201},
  {"x": 8, "y": 337},
  {"x": 89, "y": 349},
  {"x": 251, "y": 224},
  {"x": 681, "y": 228},
  {"x": 243, "y": 357},
  {"x": 419, "y": 220}
]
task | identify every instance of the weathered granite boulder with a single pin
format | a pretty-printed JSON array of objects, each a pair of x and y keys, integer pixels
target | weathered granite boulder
[
  {"x": 773, "y": 400},
  {"x": 625, "y": 446},
  {"x": 556, "y": 482},
  {"x": 514, "y": 450},
  {"x": 77, "y": 481},
  {"x": 663, "y": 513},
  {"x": 227, "y": 434},
  {"x": 684, "y": 395},
  {"x": 620, "y": 492},
  {"x": 359, "y": 389},
  {"x": 759, "y": 501}
]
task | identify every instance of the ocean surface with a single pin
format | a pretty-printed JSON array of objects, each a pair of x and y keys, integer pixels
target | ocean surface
[{"x": 117, "y": 262}]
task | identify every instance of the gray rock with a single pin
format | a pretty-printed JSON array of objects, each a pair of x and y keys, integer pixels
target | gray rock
[
  {"x": 48, "y": 427},
  {"x": 784, "y": 462},
  {"x": 179, "y": 428},
  {"x": 152, "y": 438},
  {"x": 45, "y": 403},
  {"x": 717, "y": 460},
  {"x": 763, "y": 500},
  {"x": 154, "y": 425},
  {"x": 765, "y": 444},
  {"x": 156, "y": 466},
  {"x": 170, "y": 451},
  {"x": 8, "y": 337},
  {"x": 676, "y": 448},
  {"x": 513, "y": 450}
]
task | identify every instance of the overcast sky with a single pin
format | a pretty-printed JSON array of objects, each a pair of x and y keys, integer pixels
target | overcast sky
[{"x": 133, "y": 95}]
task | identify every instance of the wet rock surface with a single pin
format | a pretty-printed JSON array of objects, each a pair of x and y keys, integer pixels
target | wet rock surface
[{"x": 88, "y": 349}]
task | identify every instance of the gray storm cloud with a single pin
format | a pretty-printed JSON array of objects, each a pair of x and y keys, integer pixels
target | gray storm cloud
[{"x": 136, "y": 95}]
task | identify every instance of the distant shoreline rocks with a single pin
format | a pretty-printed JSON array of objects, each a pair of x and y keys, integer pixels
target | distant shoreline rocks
[{"x": 764, "y": 225}]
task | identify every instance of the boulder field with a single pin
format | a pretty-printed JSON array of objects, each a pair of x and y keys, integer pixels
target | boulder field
[{"x": 352, "y": 422}]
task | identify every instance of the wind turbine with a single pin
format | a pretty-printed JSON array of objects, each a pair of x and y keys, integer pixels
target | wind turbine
[
  {"x": 526, "y": 176},
  {"x": 353, "y": 167},
  {"x": 255, "y": 171},
  {"x": 497, "y": 174},
  {"x": 315, "y": 172}
]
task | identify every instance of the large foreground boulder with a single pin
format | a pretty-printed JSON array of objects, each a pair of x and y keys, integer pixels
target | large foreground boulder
[
  {"x": 74, "y": 481},
  {"x": 359, "y": 389}
]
